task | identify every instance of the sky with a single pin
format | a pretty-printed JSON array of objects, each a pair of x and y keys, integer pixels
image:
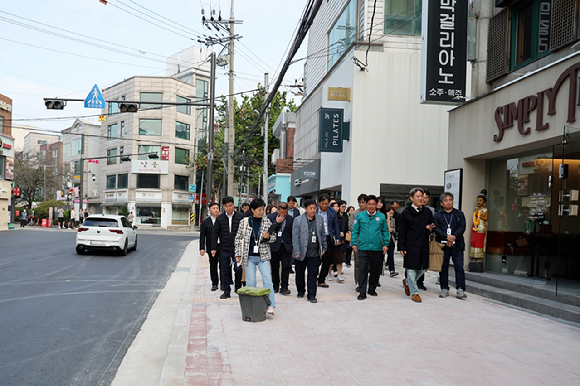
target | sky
[{"x": 35, "y": 62}]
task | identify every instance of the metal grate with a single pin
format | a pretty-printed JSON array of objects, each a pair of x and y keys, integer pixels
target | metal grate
[
  {"x": 497, "y": 46},
  {"x": 564, "y": 23}
]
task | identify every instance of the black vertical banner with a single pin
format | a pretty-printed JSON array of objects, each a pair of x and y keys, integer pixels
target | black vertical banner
[{"x": 444, "y": 51}]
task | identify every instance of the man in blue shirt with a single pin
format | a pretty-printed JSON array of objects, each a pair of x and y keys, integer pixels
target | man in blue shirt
[{"x": 332, "y": 231}]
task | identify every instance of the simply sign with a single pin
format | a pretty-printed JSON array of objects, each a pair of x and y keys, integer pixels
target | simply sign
[
  {"x": 95, "y": 99},
  {"x": 443, "y": 51},
  {"x": 330, "y": 130}
]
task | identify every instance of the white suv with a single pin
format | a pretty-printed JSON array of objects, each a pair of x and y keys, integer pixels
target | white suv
[{"x": 110, "y": 232}]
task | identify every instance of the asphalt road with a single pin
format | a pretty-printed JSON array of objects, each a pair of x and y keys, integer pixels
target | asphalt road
[{"x": 67, "y": 319}]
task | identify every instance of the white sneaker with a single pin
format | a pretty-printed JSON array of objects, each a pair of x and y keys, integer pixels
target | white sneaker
[
  {"x": 329, "y": 277},
  {"x": 461, "y": 294},
  {"x": 334, "y": 273},
  {"x": 339, "y": 278}
]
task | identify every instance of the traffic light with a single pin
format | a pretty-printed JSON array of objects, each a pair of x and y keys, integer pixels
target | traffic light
[
  {"x": 153, "y": 156},
  {"x": 54, "y": 104},
  {"x": 125, "y": 159},
  {"x": 94, "y": 178},
  {"x": 125, "y": 107}
]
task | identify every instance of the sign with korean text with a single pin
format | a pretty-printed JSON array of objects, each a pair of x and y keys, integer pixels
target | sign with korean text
[
  {"x": 192, "y": 188},
  {"x": 93, "y": 161},
  {"x": 165, "y": 153},
  {"x": 102, "y": 118},
  {"x": 339, "y": 94},
  {"x": 443, "y": 51},
  {"x": 9, "y": 171},
  {"x": 330, "y": 130},
  {"x": 149, "y": 167}
]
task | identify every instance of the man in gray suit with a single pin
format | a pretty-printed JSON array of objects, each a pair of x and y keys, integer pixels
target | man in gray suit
[{"x": 309, "y": 244}]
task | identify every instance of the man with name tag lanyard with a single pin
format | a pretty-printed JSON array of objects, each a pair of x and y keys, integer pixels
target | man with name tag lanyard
[
  {"x": 450, "y": 226},
  {"x": 281, "y": 248}
]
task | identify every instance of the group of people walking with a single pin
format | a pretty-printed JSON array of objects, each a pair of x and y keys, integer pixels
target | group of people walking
[{"x": 317, "y": 240}]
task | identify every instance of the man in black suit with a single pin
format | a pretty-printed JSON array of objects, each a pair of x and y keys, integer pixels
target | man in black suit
[
  {"x": 225, "y": 229},
  {"x": 206, "y": 230},
  {"x": 281, "y": 248},
  {"x": 293, "y": 210}
]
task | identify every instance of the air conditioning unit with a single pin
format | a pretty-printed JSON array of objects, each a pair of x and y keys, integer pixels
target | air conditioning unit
[{"x": 275, "y": 156}]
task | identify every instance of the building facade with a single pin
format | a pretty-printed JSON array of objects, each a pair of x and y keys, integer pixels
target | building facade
[
  {"x": 519, "y": 138},
  {"x": 156, "y": 190},
  {"x": 80, "y": 143},
  {"x": 33, "y": 141},
  {"x": 368, "y": 69},
  {"x": 6, "y": 178},
  {"x": 5, "y": 115}
]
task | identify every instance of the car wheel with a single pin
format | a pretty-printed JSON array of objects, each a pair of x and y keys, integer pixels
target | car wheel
[
  {"x": 80, "y": 249},
  {"x": 135, "y": 245},
  {"x": 125, "y": 250}
]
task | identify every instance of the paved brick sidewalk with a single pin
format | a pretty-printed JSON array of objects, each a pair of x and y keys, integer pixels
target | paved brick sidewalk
[{"x": 387, "y": 340}]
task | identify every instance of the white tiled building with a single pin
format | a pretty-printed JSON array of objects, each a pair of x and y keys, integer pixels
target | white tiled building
[
  {"x": 155, "y": 190},
  {"x": 395, "y": 142}
]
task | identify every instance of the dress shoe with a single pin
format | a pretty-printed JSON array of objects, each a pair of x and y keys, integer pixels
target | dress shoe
[
  {"x": 323, "y": 285},
  {"x": 407, "y": 291},
  {"x": 291, "y": 271},
  {"x": 300, "y": 295},
  {"x": 225, "y": 296},
  {"x": 373, "y": 293},
  {"x": 422, "y": 286},
  {"x": 361, "y": 297},
  {"x": 214, "y": 287},
  {"x": 416, "y": 298},
  {"x": 378, "y": 284},
  {"x": 313, "y": 300},
  {"x": 285, "y": 291},
  {"x": 276, "y": 290}
]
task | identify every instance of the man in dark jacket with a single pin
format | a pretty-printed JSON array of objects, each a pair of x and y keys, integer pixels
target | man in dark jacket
[
  {"x": 293, "y": 210},
  {"x": 450, "y": 226},
  {"x": 225, "y": 229},
  {"x": 205, "y": 233},
  {"x": 415, "y": 224},
  {"x": 281, "y": 248},
  {"x": 332, "y": 231}
]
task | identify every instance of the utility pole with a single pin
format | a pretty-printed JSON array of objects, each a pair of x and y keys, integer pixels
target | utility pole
[
  {"x": 265, "y": 133},
  {"x": 82, "y": 161},
  {"x": 231, "y": 130},
  {"x": 209, "y": 189}
]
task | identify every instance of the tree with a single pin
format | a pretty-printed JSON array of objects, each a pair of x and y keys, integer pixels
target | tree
[
  {"x": 246, "y": 112},
  {"x": 30, "y": 177}
]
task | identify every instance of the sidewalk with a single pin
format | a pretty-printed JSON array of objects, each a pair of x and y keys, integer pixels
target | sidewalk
[{"x": 387, "y": 340}]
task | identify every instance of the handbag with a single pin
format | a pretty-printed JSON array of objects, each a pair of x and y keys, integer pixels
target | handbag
[
  {"x": 436, "y": 255},
  {"x": 348, "y": 236}
]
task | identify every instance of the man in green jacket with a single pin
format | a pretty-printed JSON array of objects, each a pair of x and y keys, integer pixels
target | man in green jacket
[{"x": 370, "y": 236}]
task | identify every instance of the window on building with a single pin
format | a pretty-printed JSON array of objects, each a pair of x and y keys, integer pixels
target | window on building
[
  {"x": 181, "y": 156},
  {"x": 530, "y": 31},
  {"x": 77, "y": 146},
  {"x": 111, "y": 153},
  {"x": 181, "y": 130},
  {"x": 183, "y": 109},
  {"x": 122, "y": 128},
  {"x": 149, "y": 126},
  {"x": 42, "y": 155},
  {"x": 181, "y": 182},
  {"x": 148, "y": 181},
  {"x": 122, "y": 181},
  {"x": 55, "y": 153},
  {"x": 342, "y": 34},
  {"x": 111, "y": 132},
  {"x": 148, "y": 149},
  {"x": 151, "y": 97},
  {"x": 76, "y": 167},
  {"x": 113, "y": 108},
  {"x": 403, "y": 17},
  {"x": 112, "y": 182},
  {"x": 41, "y": 142}
]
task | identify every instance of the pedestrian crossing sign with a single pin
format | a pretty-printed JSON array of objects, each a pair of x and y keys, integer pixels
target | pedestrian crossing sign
[{"x": 95, "y": 99}]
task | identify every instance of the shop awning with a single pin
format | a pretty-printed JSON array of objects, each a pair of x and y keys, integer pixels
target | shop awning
[{"x": 180, "y": 205}]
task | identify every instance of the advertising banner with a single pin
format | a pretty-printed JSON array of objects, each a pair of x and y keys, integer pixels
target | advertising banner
[
  {"x": 330, "y": 130},
  {"x": 444, "y": 51}
]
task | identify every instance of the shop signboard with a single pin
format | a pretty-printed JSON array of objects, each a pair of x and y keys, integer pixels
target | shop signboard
[
  {"x": 111, "y": 196},
  {"x": 443, "y": 52},
  {"x": 148, "y": 196},
  {"x": 9, "y": 172},
  {"x": 453, "y": 182},
  {"x": 165, "y": 153},
  {"x": 149, "y": 167},
  {"x": 330, "y": 130}
]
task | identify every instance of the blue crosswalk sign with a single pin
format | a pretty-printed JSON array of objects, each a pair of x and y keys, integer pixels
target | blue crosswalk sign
[{"x": 95, "y": 99}]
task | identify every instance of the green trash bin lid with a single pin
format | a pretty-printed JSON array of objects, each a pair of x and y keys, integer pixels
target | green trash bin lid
[{"x": 253, "y": 291}]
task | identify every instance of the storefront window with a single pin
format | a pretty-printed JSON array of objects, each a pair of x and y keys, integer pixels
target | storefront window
[
  {"x": 180, "y": 216},
  {"x": 148, "y": 215}
]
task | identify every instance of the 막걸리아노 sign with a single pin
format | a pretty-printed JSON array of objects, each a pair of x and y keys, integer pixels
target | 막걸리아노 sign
[
  {"x": 444, "y": 51},
  {"x": 330, "y": 130}
]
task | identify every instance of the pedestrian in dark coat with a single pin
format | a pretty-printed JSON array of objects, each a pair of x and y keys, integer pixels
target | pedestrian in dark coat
[
  {"x": 205, "y": 234},
  {"x": 281, "y": 248},
  {"x": 415, "y": 224}
]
